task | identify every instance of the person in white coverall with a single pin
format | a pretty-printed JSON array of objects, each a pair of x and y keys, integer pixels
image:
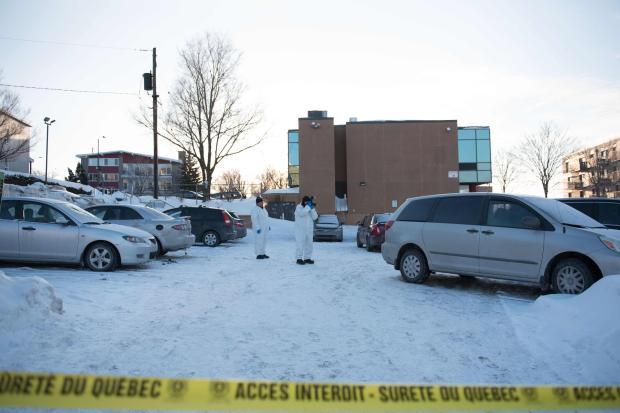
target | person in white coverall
[
  {"x": 305, "y": 215},
  {"x": 260, "y": 225}
]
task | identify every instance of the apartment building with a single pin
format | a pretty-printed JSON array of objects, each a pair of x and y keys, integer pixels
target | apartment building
[
  {"x": 130, "y": 172},
  {"x": 593, "y": 171}
]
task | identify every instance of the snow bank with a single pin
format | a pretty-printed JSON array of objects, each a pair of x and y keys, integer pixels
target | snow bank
[
  {"x": 576, "y": 333},
  {"x": 23, "y": 299}
]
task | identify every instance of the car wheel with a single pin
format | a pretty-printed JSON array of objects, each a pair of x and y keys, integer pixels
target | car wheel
[
  {"x": 160, "y": 250},
  {"x": 101, "y": 256},
  {"x": 571, "y": 276},
  {"x": 359, "y": 244},
  {"x": 368, "y": 246},
  {"x": 413, "y": 267},
  {"x": 211, "y": 239}
]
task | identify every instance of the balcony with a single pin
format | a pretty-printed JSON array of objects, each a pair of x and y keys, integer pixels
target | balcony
[{"x": 575, "y": 185}]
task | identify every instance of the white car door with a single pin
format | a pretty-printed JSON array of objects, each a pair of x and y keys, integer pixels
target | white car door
[
  {"x": 47, "y": 234},
  {"x": 452, "y": 235},
  {"x": 509, "y": 249}
]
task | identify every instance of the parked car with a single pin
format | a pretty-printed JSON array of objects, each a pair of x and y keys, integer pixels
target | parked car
[
  {"x": 171, "y": 234},
  {"x": 327, "y": 227},
  {"x": 191, "y": 195},
  {"x": 48, "y": 230},
  {"x": 604, "y": 210},
  {"x": 228, "y": 195},
  {"x": 371, "y": 231},
  {"x": 210, "y": 225},
  {"x": 529, "y": 239},
  {"x": 239, "y": 225}
]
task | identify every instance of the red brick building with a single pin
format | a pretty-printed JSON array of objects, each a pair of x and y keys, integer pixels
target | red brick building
[{"x": 130, "y": 172}]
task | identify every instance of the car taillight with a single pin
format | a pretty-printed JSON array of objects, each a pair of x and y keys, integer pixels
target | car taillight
[
  {"x": 179, "y": 227},
  {"x": 239, "y": 224},
  {"x": 227, "y": 220},
  {"x": 388, "y": 225},
  {"x": 375, "y": 230}
]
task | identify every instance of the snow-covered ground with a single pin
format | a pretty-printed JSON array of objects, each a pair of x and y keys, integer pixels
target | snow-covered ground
[{"x": 220, "y": 313}]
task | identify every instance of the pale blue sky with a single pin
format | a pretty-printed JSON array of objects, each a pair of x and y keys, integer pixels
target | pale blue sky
[{"x": 506, "y": 64}]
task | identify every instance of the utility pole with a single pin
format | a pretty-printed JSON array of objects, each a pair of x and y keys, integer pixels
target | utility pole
[{"x": 155, "y": 157}]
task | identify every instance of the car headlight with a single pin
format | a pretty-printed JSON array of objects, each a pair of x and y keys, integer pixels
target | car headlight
[
  {"x": 610, "y": 243},
  {"x": 135, "y": 240}
]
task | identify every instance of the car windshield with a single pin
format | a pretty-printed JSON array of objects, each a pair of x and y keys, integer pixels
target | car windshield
[
  {"x": 328, "y": 219},
  {"x": 563, "y": 213},
  {"x": 82, "y": 216},
  {"x": 154, "y": 214}
]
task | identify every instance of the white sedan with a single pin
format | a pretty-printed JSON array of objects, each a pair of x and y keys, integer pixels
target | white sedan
[{"x": 47, "y": 230}]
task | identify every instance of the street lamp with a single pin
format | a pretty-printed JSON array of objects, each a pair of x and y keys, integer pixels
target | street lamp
[{"x": 48, "y": 122}]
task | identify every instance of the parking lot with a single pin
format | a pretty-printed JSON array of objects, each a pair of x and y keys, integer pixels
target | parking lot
[{"x": 220, "y": 313}]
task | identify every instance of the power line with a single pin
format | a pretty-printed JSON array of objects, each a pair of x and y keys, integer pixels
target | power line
[
  {"x": 92, "y": 46},
  {"x": 69, "y": 90}
]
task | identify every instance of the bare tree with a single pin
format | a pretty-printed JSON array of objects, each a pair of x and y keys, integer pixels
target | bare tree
[
  {"x": 206, "y": 117},
  {"x": 12, "y": 143},
  {"x": 542, "y": 152},
  {"x": 232, "y": 181},
  {"x": 270, "y": 179},
  {"x": 505, "y": 168}
]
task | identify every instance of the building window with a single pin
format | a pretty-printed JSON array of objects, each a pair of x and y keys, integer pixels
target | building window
[
  {"x": 293, "y": 158},
  {"x": 474, "y": 151},
  {"x": 165, "y": 171}
]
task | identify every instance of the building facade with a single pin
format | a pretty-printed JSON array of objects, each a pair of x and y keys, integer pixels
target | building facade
[
  {"x": 593, "y": 171},
  {"x": 373, "y": 166},
  {"x": 131, "y": 172},
  {"x": 14, "y": 133}
]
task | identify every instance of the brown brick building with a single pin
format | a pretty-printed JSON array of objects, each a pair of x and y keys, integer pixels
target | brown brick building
[{"x": 373, "y": 166}]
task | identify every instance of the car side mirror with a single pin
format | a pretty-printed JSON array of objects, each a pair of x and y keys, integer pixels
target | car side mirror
[{"x": 531, "y": 222}]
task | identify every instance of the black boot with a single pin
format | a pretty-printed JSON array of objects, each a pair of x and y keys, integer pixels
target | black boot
[
  {"x": 308, "y": 261},
  {"x": 260, "y": 257},
  {"x": 300, "y": 262}
]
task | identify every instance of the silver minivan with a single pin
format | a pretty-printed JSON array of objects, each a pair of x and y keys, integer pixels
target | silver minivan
[{"x": 519, "y": 238}]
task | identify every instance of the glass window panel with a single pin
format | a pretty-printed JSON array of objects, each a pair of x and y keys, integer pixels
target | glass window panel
[
  {"x": 467, "y": 151},
  {"x": 293, "y": 154},
  {"x": 484, "y": 176},
  {"x": 467, "y": 134},
  {"x": 459, "y": 210},
  {"x": 293, "y": 136},
  {"x": 483, "y": 134},
  {"x": 608, "y": 213},
  {"x": 484, "y": 151},
  {"x": 507, "y": 214},
  {"x": 484, "y": 166},
  {"x": 466, "y": 177}
]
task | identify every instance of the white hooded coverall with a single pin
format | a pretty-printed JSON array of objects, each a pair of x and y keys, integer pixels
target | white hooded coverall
[
  {"x": 260, "y": 222},
  {"x": 304, "y": 230}
]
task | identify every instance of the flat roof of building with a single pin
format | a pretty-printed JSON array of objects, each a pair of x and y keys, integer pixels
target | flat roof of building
[
  {"x": 98, "y": 154},
  {"x": 401, "y": 121}
]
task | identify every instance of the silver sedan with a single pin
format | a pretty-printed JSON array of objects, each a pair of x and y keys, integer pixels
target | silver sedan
[
  {"x": 47, "y": 230},
  {"x": 171, "y": 234}
]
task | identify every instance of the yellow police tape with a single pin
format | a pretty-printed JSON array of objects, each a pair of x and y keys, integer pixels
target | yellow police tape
[{"x": 68, "y": 391}]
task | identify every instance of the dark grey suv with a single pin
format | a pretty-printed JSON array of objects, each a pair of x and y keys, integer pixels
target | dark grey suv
[
  {"x": 519, "y": 238},
  {"x": 211, "y": 226},
  {"x": 604, "y": 210}
]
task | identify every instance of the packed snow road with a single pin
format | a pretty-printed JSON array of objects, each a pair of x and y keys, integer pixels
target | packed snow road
[{"x": 221, "y": 313}]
